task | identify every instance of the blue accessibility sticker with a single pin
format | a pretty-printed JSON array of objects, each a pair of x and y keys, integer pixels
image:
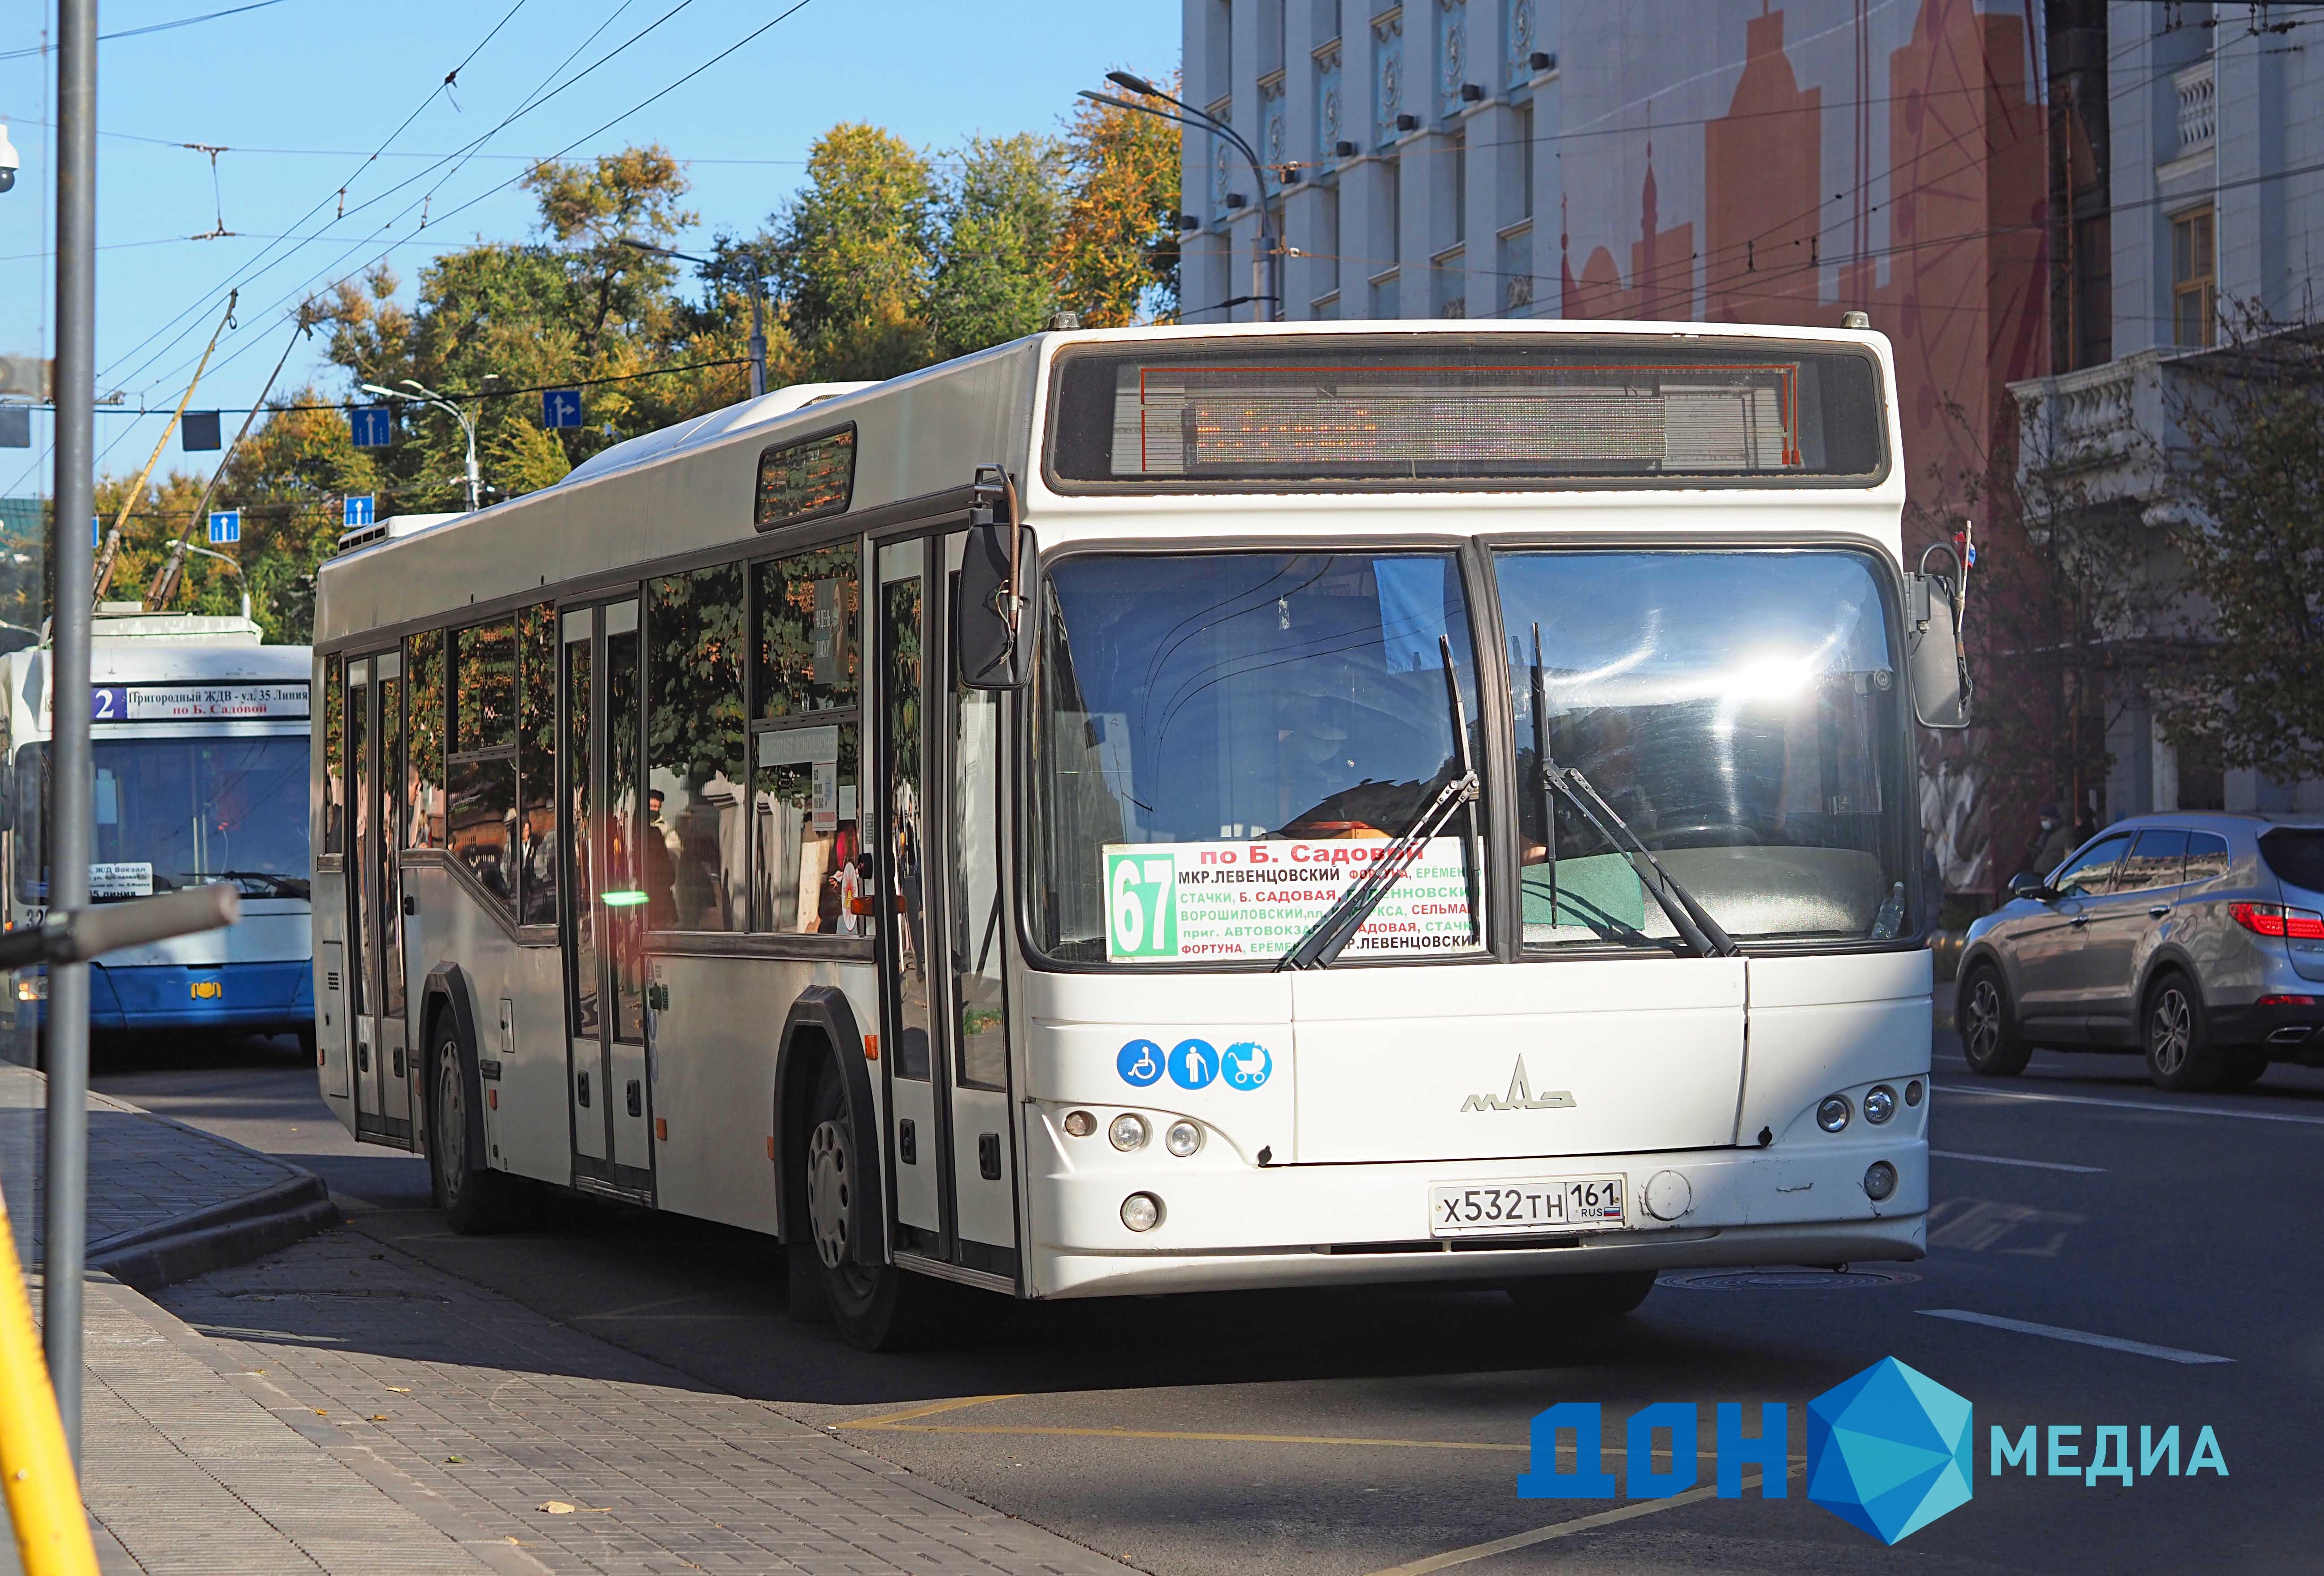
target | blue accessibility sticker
[
  {"x": 1140, "y": 1063},
  {"x": 1193, "y": 1064},
  {"x": 1248, "y": 1065}
]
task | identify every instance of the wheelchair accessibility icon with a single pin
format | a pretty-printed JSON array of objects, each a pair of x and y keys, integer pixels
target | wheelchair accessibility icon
[{"x": 1140, "y": 1063}]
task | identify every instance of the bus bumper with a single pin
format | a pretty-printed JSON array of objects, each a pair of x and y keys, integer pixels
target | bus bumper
[
  {"x": 1791, "y": 1203},
  {"x": 267, "y": 997}
]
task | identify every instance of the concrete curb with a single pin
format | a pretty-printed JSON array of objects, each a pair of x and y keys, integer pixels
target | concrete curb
[{"x": 234, "y": 1232}]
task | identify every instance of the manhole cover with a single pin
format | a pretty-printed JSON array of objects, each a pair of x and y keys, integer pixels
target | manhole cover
[{"x": 1781, "y": 1279}]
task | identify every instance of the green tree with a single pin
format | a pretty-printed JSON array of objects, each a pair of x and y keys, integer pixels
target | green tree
[
  {"x": 851, "y": 256},
  {"x": 997, "y": 224},
  {"x": 2250, "y": 486},
  {"x": 1116, "y": 259}
]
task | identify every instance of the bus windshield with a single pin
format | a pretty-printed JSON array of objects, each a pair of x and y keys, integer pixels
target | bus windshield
[
  {"x": 1739, "y": 711},
  {"x": 174, "y": 813},
  {"x": 1273, "y": 717}
]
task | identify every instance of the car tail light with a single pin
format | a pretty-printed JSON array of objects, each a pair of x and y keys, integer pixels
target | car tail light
[
  {"x": 2287, "y": 1001},
  {"x": 2275, "y": 919}
]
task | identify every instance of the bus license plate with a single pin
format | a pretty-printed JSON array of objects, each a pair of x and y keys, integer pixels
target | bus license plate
[{"x": 1554, "y": 1204}]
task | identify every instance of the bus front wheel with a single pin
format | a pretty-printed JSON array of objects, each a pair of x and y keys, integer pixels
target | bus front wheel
[
  {"x": 473, "y": 1202},
  {"x": 876, "y": 1306}
]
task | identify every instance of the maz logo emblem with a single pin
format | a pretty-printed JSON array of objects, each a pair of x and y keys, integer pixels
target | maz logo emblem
[{"x": 1521, "y": 1096}]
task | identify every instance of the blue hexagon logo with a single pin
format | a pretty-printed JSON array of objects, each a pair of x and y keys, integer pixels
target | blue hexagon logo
[{"x": 1888, "y": 1450}]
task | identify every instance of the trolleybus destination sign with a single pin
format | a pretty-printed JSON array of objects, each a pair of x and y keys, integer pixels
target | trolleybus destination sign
[{"x": 178, "y": 703}]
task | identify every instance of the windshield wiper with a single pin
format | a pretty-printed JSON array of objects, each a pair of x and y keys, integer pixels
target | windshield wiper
[
  {"x": 1693, "y": 922},
  {"x": 281, "y": 886},
  {"x": 1322, "y": 945}
]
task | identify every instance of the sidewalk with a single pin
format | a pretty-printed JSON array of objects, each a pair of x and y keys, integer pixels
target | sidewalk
[
  {"x": 339, "y": 1407},
  {"x": 165, "y": 1201}
]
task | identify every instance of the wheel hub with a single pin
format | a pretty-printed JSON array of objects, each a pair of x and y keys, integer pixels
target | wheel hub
[
  {"x": 829, "y": 1192},
  {"x": 2170, "y": 1032},
  {"x": 1984, "y": 1016}
]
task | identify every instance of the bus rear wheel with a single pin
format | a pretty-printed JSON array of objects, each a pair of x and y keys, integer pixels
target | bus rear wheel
[
  {"x": 475, "y": 1202},
  {"x": 876, "y": 1306},
  {"x": 1582, "y": 1300}
]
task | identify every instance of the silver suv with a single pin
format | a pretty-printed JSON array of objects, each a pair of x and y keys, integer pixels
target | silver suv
[{"x": 2196, "y": 937}]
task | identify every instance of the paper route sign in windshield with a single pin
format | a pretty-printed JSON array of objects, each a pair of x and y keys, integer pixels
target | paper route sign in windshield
[{"x": 1246, "y": 899}]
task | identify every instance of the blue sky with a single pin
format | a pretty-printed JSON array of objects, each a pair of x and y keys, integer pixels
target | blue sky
[{"x": 299, "y": 91}]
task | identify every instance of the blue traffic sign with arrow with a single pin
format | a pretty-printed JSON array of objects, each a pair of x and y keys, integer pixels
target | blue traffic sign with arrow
[
  {"x": 561, "y": 408},
  {"x": 356, "y": 510},
  {"x": 373, "y": 425},
  {"x": 226, "y": 527}
]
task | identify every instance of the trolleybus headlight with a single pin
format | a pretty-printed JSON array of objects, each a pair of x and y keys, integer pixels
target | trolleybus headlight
[
  {"x": 1127, "y": 1133},
  {"x": 1141, "y": 1211},
  {"x": 1832, "y": 1114},
  {"x": 1183, "y": 1139},
  {"x": 1879, "y": 1104},
  {"x": 1879, "y": 1180},
  {"x": 1080, "y": 1124}
]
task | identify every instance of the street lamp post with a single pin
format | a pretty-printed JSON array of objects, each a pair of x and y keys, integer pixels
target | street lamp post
[
  {"x": 427, "y": 396},
  {"x": 758, "y": 296},
  {"x": 1266, "y": 268}
]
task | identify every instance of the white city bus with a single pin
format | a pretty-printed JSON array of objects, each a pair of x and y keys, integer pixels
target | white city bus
[
  {"x": 1167, "y": 809},
  {"x": 199, "y": 743}
]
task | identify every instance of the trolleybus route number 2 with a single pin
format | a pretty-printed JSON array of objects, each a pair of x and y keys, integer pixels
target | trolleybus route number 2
[{"x": 1244, "y": 899}]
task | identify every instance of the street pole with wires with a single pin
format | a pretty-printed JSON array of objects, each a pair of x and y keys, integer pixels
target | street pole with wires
[
  {"x": 758, "y": 299},
  {"x": 73, "y": 793},
  {"x": 1267, "y": 266}
]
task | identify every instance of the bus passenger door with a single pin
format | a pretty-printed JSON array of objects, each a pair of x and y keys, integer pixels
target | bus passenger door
[
  {"x": 604, "y": 900},
  {"x": 950, "y": 1137},
  {"x": 391, "y": 1054},
  {"x": 382, "y": 1103}
]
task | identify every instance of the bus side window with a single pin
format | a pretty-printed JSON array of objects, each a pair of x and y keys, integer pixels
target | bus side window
[
  {"x": 809, "y": 868},
  {"x": 335, "y": 756},
  {"x": 480, "y": 811},
  {"x": 693, "y": 840},
  {"x": 424, "y": 748}
]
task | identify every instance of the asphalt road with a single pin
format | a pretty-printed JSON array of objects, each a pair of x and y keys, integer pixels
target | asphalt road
[{"x": 1343, "y": 1434}]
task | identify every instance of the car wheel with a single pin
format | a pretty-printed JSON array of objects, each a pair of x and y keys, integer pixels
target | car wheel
[
  {"x": 876, "y": 1306},
  {"x": 475, "y": 1202},
  {"x": 2178, "y": 1049},
  {"x": 1578, "y": 1300},
  {"x": 1989, "y": 1036},
  {"x": 2238, "y": 1071}
]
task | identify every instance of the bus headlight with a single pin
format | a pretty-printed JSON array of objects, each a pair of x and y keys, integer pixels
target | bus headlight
[
  {"x": 1141, "y": 1211},
  {"x": 1127, "y": 1133},
  {"x": 1879, "y": 1180},
  {"x": 1832, "y": 1114},
  {"x": 35, "y": 989},
  {"x": 1080, "y": 1124},
  {"x": 1879, "y": 1104},
  {"x": 1183, "y": 1139}
]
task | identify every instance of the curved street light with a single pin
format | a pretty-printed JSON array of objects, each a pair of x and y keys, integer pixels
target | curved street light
[
  {"x": 427, "y": 396},
  {"x": 1267, "y": 283}
]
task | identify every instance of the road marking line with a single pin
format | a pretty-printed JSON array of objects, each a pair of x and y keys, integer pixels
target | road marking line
[
  {"x": 1563, "y": 1529},
  {"x": 2080, "y": 1337},
  {"x": 2006, "y": 1160},
  {"x": 2152, "y": 1107},
  {"x": 636, "y": 1308},
  {"x": 927, "y": 1409}
]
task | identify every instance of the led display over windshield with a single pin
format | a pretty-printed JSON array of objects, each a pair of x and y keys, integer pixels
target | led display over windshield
[{"x": 1473, "y": 411}]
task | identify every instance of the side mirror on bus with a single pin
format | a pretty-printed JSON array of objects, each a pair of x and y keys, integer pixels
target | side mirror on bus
[
  {"x": 1934, "y": 661},
  {"x": 992, "y": 648}
]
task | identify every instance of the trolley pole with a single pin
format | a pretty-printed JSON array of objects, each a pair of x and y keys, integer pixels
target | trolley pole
[{"x": 73, "y": 788}]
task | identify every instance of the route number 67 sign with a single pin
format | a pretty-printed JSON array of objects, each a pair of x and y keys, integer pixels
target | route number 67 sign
[{"x": 1141, "y": 893}]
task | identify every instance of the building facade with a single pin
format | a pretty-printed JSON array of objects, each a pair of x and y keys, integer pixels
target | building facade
[{"x": 2198, "y": 133}]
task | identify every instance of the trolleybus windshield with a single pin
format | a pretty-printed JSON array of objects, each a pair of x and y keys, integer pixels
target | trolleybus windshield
[{"x": 175, "y": 813}]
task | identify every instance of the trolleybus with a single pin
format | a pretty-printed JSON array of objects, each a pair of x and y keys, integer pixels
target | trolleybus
[
  {"x": 199, "y": 741},
  {"x": 1160, "y": 810}
]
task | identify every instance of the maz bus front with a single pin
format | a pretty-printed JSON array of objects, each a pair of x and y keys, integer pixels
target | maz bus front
[{"x": 1154, "y": 810}]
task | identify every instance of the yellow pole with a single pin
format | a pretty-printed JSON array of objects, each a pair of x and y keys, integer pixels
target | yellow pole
[{"x": 36, "y": 1469}]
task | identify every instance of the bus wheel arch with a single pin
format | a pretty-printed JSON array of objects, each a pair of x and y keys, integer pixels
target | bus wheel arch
[
  {"x": 817, "y": 1038},
  {"x": 449, "y": 993}
]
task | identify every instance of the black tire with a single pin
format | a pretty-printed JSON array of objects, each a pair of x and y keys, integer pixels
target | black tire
[
  {"x": 2242, "y": 1069},
  {"x": 1991, "y": 1041},
  {"x": 475, "y": 1202},
  {"x": 2178, "y": 1055},
  {"x": 876, "y": 1306},
  {"x": 1577, "y": 1301}
]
